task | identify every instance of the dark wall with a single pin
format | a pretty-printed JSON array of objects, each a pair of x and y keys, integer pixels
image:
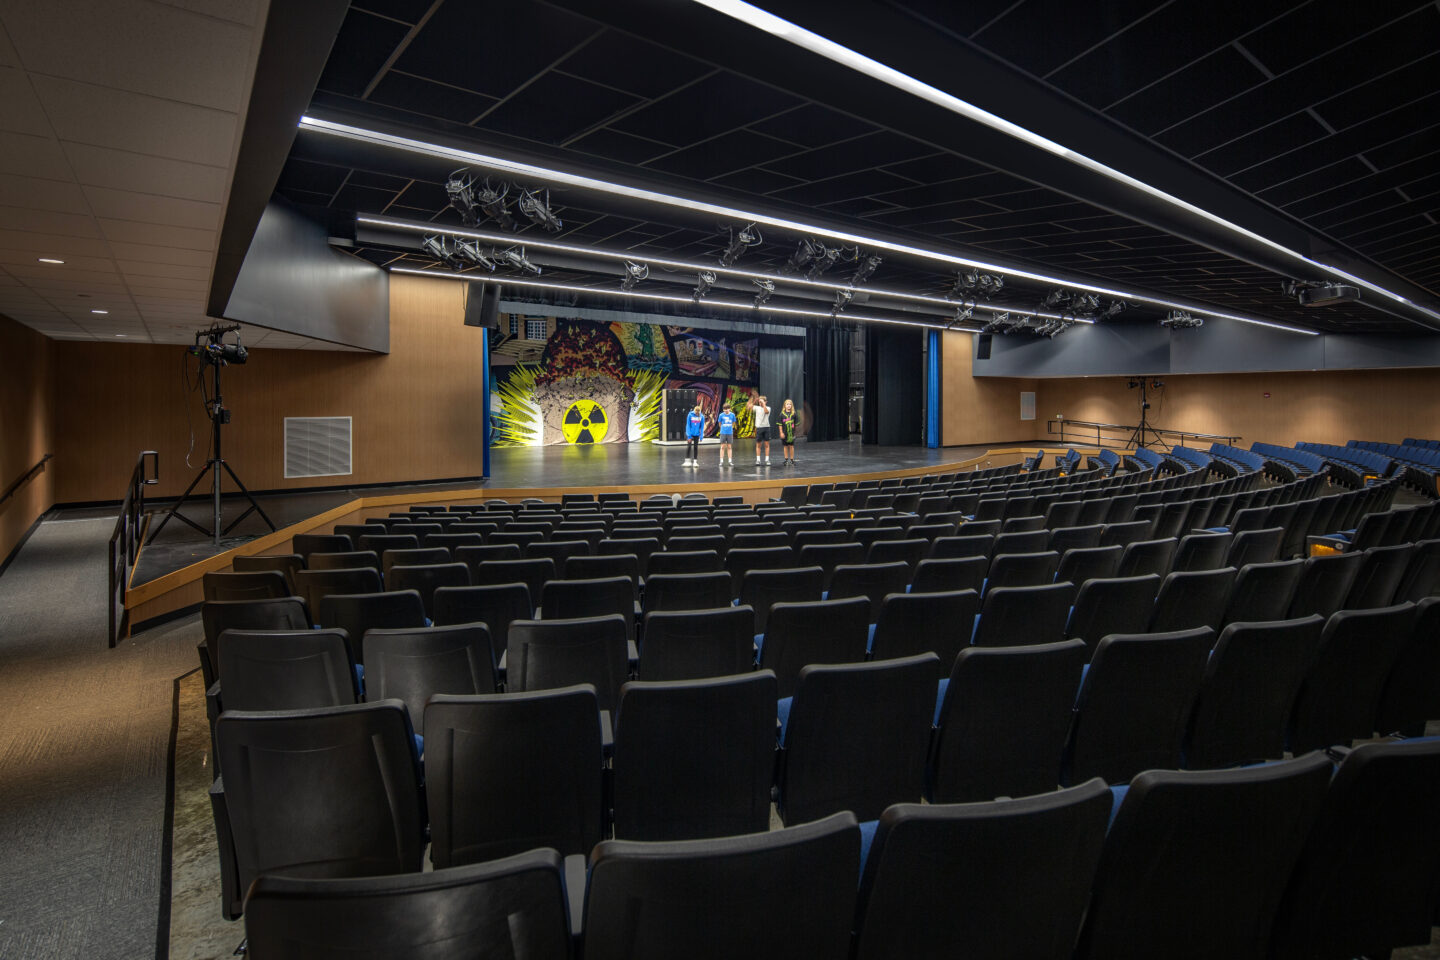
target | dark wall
[
  {"x": 292, "y": 280},
  {"x": 894, "y": 384}
]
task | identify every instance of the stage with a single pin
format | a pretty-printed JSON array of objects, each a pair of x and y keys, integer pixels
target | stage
[{"x": 166, "y": 576}]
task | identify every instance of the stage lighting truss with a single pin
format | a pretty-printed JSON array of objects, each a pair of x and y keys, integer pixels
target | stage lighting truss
[
  {"x": 765, "y": 289},
  {"x": 866, "y": 269},
  {"x": 515, "y": 257},
  {"x": 842, "y": 300},
  {"x": 739, "y": 242},
  {"x": 707, "y": 280},
  {"x": 1181, "y": 320},
  {"x": 538, "y": 211},
  {"x": 634, "y": 273}
]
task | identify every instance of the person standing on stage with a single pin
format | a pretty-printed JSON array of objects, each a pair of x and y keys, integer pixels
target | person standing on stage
[
  {"x": 726, "y": 422},
  {"x": 787, "y": 429},
  {"x": 762, "y": 428},
  {"x": 694, "y": 429}
]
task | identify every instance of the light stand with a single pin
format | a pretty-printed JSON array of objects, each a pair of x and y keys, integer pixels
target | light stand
[
  {"x": 214, "y": 353},
  {"x": 1144, "y": 434}
]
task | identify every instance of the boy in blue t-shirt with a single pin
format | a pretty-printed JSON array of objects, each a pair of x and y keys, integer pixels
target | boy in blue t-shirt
[
  {"x": 726, "y": 422},
  {"x": 694, "y": 429}
]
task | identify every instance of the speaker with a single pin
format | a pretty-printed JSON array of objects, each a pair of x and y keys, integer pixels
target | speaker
[
  {"x": 982, "y": 347},
  {"x": 482, "y": 305}
]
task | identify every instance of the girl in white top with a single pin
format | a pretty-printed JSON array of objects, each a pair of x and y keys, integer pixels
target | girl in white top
[{"x": 762, "y": 428}]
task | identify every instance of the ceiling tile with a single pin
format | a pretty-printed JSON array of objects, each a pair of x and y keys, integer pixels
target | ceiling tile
[
  {"x": 43, "y": 221},
  {"x": 127, "y": 231},
  {"x": 154, "y": 254},
  {"x": 37, "y": 194},
  {"x": 122, "y": 170},
  {"x": 28, "y": 155},
  {"x": 129, "y": 121},
  {"x": 20, "y": 111},
  {"x": 634, "y": 65},
  {"x": 148, "y": 208},
  {"x": 418, "y": 95},
  {"x": 139, "y": 268},
  {"x": 714, "y": 105},
  {"x": 363, "y": 45},
  {"x": 135, "y": 45},
  {"x": 530, "y": 112},
  {"x": 243, "y": 12}
]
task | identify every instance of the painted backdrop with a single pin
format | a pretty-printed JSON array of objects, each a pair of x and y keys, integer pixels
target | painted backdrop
[{"x": 560, "y": 380}]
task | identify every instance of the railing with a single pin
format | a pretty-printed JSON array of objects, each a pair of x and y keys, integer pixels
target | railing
[
  {"x": 20, "y": 481},
  {"x": 1123, "y": 435},
  {"x": 125, "y": 540}
]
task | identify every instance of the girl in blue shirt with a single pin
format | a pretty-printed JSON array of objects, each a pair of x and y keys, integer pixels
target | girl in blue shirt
[
  {"x": 726, "y": 422},
  {"x": 694, "y": 428}
]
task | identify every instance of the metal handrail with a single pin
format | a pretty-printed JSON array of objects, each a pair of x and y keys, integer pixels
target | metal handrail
[
  {"x": 1129, "y": 431},
  {"x": 20, "y": 481},
  {"x": 125, "y": 540}
]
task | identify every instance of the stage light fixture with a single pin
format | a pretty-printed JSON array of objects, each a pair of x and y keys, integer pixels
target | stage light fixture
[
  {"x": 747, "y": 237},
  {"x": 634, "y": 273},
  {"x": 706, "y": 281},
  {"x": 854, "y": 60},
  {"x": 470, "y": 250},
  {"x": 1181, "y": 320},
  {"x": 805, "y": 251},
  {"x": 765, "y": 290},
  {"x": 867, "y": 269},
  {"x": 438, "y": 246},
  {"x": 1055, "y": 298},
  {"x": 842, "y": 300},
  {"x": 828, "y": 258},
  {"x": 539, "y": 210},
  {"x": 492, "y": 202},
  {"x": 515, "y": 257},
  {"x": 460, "y": 188}
]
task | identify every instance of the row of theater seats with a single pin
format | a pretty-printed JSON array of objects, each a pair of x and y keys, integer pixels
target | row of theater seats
[{"x": 1297, "y": 858}]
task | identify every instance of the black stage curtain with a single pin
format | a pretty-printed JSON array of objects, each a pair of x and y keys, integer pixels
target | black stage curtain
[
  {"x": 827, "y": 380},
  {"x": 894, "y": 381}
]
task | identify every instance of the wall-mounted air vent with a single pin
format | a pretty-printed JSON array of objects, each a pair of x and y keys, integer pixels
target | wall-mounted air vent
[
  {"x": 317, "y": 447},
  {"x": 1027, "y": 405}
]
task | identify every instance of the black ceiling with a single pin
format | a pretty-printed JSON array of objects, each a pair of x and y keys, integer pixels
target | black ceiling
[{"x": 1327, "y": 113}]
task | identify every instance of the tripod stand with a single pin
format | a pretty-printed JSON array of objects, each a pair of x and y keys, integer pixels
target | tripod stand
[
  {"x": 219, "y": 416},
  {"x": 1144, "y": 435}
]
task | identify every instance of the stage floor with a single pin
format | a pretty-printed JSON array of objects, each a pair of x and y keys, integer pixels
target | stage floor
[{"x": 603, "y": 467}]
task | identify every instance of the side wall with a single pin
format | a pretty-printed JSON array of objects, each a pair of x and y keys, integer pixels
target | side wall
[
  {"x": 1323, "y": 407},
  {"x": 26, "y": 428},
  {"x": 417, "y": 411},
  {"x": 979, "y": 409}
]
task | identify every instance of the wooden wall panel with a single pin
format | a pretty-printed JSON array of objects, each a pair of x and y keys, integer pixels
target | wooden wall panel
[
  {"x": 417, "y": 410},
  {"x": 978, "y": 409},
  {"x": 26, "y": 428},
  {"x": 1325, "y": 407}
]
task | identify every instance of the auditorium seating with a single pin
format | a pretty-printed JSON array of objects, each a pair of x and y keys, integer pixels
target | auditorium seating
[{"x": 1009, "y": 709}]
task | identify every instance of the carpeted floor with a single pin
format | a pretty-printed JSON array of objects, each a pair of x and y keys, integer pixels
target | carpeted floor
[{"x": 84, "y": 736}]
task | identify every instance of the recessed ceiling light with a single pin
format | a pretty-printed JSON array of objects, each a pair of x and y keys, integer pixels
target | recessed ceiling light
[
  {"x": 50, "y": 260},
  {"x": 99, "y": 311}
]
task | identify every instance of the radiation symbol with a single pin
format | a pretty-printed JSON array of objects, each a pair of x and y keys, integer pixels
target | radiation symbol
[{"x": 585, "y": 422}]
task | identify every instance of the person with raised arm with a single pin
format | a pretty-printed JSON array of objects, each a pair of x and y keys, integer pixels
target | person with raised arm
[{"x": 762, "y": 428}]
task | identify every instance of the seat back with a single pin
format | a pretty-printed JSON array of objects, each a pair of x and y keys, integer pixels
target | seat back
[
  {"x": 425, "y": 579},
  {"x": 1324, "y": 584},
  {"x": 787, "y": 893},
  {"x": 1133, "y": 704},
  {"x": 286, "y": 563},
  {"x": 1115, "y": 605},
  {"x": 248, "y": 585},
  {"x": 480, "y": 808},
  {"x": 1015, "y": 616},
  {"x": 308, "y": 543},
  {"x": 825, "y": 631},
  {"x": 412, "y": 665},
  {"x": 695, "y": 644},
  {"x": 873, "y": 581},
  {"x": 478, "y": 910},
  {"x": 694, "y": 758},
  {"x": 1340, "y": 695},
  {"x": 965, "y": 545},
  {"x": 762, "y": 589},
  {"x": 607, "y": 596},
  {"x": 416, "y": 557},
  {"x": 1196, "y": 861},
  {"x": 284, "y": 670},
  {"x": 217, "y": 616},
  {"x": 1122, "y": 533},
  {"x": 356, "y": 613},
  {"x": 1263, "y": 591},
  {"x": 545, "y": 654},
  {"x": 329, "y": 792},
  {"x": 1255, "y": 546},
  {"x": 1031, "y": 541},
  {"x": 495, "y": 605},
  {"x": 1248, "y": 690},
  {"x": 1379, "y": 577},
  {"x": 1411, "y": 697},
  {"x": 1365, "y": 880},
  {"x": 684, "y": 561},
  {"x": 1022, "y": 569},
  {"x": 1089, "y": 563},
  {"x": 1422, "y": 576},
  {"x": 944, "y": 575},
  {"x": 344, "y": 561},
  {"x": 922, "y": 896},
  {"x": 315, "y": 585},
  {"x": 1075, "y": 538},
  {"x": 1195, "y": 598},
  {"x": 687, "y": 591},
  {"x": 1003, "y": 720},
  {"x": 856, "y": 738},
  {"x": 1147, "y": 556},
  {"x": 915, "y": 623},
  {"x": 533, "y": 573}
]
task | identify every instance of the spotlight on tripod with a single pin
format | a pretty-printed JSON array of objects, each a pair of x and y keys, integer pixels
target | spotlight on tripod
[{"x": 214, "y": 354}]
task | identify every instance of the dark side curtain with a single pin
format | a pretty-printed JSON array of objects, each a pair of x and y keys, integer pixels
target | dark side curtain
[
  {"x": 827, "y": 380},
  {"x": 894, "y": 380}
]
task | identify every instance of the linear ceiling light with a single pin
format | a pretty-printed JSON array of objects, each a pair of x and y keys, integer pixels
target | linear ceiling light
[
  {"x": 362, "y": 135},
  {"x": 748, "y": 307},
  {"x": 830, "y": 50}
]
